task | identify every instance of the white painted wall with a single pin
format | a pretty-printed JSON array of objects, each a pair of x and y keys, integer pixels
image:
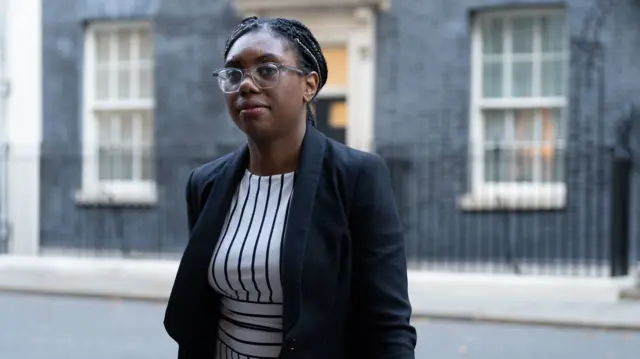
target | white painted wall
[
  {"x": 23, "y": 125},
  {"x": 4, "y": 223},
  {"x": 361, "y": 93}
]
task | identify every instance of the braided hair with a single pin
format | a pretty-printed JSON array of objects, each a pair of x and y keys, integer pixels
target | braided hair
[{"x": 300, "y": 38}]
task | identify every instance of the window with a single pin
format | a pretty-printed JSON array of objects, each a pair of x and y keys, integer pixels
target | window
[
  {"x": 331, "y": 104},
  {"x": 119, "y": 110},
  {"x": 518, "y": 119}
]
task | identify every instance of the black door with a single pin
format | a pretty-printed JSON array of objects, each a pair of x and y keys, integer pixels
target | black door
[{"x": 331, "y": 117}]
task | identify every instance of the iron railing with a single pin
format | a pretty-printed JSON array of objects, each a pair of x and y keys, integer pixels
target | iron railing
[
  {"x": 551, "y": 233},
  {"x": 539, "y": 232}
]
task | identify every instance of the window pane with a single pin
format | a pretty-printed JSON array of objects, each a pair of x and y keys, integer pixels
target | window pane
[
  {"x": 498, "y": 164},
  {"x": 494, "y": 127},
  {"x": 104, "y": 130},
  {"x": 492, "y": 79},
  {"x": 124, "y": 83},
  {"x": 553, "y": 126},
  {"x": 102, "y": 84},
  {"x": 147, "y": 155},
  {"x": 553, "y": 165},
  {"x": 146, "y": 85},
  {"x": 522, "y": 34},
  {"x": 146, "y": 45},
  {"x": 124, "y": 45},
  {"x": 552, "y": 78},
  {"x": 332, "y": 117},
  {"x": 148, "y": 164},
  {"x": 559, "y": 124},
  {"x": 524, "y": 164},
  {"x": 553, "y": 33},
  {"x": 147, "y": 128},
  {"x": 104, "y": 164},
  {"x": 122, "y": 165},
  {"x": 524, "y": 126},
  {"x": 126, "y": 130},
  {"x": 115, "y": 164},
  {"x": 338, "y": 115},
  {"x": 115, "y": 150},
  {"x": 492, "y": 31},
  {"x": 522, "y": 79},
  {"x": 102, "y": 47},
  {"x": 337, "y": 60}
]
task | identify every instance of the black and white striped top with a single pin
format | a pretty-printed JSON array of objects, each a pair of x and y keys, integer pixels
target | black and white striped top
[{"x": 245, "y": 268}]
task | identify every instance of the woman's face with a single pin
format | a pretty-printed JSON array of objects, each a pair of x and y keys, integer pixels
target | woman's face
[{"x": 270, "y": 112}]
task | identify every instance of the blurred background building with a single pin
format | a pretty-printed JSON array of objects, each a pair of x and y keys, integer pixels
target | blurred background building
[{"x": 498, "y": 120}]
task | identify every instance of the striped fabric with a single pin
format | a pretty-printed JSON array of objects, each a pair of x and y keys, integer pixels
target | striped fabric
[{"x": 245, "y": 268}]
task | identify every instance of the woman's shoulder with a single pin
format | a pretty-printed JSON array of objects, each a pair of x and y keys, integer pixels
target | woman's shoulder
[
  {"x": 341, "y": 155},
  {"x": 208, "y": 171}
]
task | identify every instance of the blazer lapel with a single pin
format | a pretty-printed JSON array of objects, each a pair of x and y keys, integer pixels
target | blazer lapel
[{"x": 299, "y": 218}]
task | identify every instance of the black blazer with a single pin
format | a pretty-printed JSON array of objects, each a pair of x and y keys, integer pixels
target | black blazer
[{"x": 344, "y": 268}]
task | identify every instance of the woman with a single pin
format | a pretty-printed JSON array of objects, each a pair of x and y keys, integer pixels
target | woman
[{"x": 296, "y": 246}]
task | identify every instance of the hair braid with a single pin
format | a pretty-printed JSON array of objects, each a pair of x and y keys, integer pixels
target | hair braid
[{"x": 300, "y": 38}]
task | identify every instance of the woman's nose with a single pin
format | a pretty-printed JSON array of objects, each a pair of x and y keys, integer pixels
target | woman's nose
[{"x": 248, "y": 85}]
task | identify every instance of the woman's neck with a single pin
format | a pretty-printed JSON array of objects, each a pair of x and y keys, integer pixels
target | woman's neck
[{"x": 276, "y": 156}]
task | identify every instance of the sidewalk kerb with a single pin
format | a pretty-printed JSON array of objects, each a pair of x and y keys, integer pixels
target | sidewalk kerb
[{"x": 513, "y": 320}]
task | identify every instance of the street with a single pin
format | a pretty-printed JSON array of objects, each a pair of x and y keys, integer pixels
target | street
[{"x": 49, "y": 327}]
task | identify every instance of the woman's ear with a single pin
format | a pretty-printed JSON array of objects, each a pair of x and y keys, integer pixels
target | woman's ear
[{"x": 311, "y": 86}]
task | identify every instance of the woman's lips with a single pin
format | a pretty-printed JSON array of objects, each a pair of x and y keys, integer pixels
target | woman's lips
[{"x": 253, "y": 111}]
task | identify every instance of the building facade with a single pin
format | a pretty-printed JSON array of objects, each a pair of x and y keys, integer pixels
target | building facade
[
  {"x": 130, "y": 107},
  {"x": 499, "y": 119},
  {"x": 496, "y": 118}
]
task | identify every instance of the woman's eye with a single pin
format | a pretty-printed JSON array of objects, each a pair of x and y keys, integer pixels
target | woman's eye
[
  {"x": 234, "y": 76},
  {"x": 267, "y": 71}
]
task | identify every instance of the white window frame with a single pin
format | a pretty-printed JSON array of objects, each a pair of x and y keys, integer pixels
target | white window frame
[
  {"x": 93, "y": 189},
  {"x": 489, "y": 196}
]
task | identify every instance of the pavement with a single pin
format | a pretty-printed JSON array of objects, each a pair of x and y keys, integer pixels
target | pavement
[
  {"x": 631, "y": 293},
  {"x": 54, "y": 327},
  {"x": 557, "y": 301}
]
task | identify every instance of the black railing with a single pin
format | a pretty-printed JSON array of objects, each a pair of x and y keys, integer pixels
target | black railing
[
  {"x": 560, "y": 225},
  {"x": 91, "y": 223},
  {"x": 563, "y": 225}
]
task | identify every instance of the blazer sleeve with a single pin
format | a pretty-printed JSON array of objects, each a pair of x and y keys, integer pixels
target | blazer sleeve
[
  {"x": 193, "y": 211},
  {"x": 380, "y": 309}
]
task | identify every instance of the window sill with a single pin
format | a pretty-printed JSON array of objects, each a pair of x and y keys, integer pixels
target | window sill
[
  {"x": 94, "y": 197},
  {"x": 511, "y": 202}
]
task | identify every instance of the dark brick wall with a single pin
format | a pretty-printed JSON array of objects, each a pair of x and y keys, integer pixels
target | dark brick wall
[
  {"x": 191, "y": 121},
  {"x": 422, "y": 118},
  {"x": 422, "y": 99}
]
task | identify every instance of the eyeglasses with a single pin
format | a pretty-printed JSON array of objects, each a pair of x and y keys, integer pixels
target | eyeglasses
[{"x": 265, "y": 76}]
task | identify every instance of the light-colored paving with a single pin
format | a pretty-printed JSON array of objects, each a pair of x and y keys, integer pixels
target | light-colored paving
[{"x": 563, "y": 301}]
